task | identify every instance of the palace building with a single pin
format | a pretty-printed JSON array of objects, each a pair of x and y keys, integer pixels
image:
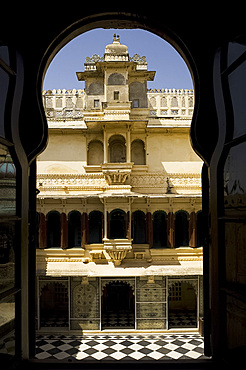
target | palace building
[{"x": 119, "y": 243}]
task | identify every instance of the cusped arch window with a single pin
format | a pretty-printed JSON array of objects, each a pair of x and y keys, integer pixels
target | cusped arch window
[
  {"x": 117, "y": 149},
  {"x": 116, "y": 79}
]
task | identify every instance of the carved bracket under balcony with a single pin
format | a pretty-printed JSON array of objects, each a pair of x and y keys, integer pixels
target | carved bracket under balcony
[
  {"x": 117, "y": 249},
  {"x": 116, "y": 173}
]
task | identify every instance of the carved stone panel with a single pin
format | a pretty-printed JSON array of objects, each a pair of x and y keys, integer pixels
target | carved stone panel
[{"x": 85, "y": 304}]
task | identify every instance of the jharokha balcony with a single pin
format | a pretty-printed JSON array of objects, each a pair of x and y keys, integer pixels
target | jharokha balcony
[{"x": 117, "y": 249}]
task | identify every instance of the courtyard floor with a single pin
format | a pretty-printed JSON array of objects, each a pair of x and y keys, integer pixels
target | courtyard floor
[{"x": 125, "y": 347}]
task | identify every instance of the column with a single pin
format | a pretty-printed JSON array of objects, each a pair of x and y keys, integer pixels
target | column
[
  {"x": 149, "y": 229},
  {"x": 170, "y": 230},
  {"x": 64, "y": 231},
  {"x": 192, "y": 230},
  {"x": 128, "y": 145},
  {"x": 42, "y": 235},
  {"x": 105, "y": 146},
  {"x": 84, "y": 229},
  {"x": 128, "y": 225},
  {"x": 105, "y": 221}
]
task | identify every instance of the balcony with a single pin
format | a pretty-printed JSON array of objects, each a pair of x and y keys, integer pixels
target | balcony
[{"x": 117, "y": 249}]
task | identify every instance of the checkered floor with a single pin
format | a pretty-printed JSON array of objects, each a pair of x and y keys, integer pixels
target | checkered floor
[
  {"x": 182, "y": 320},
  {"x": 128, "y": 347},
  {"x": 118, "y": 320}
]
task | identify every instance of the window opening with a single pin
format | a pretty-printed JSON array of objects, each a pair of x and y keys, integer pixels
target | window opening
[
  {"x": 74, "y": 229},
  {"x": 96, "y": 103},
  {"x": 159, "y": 230},
  {"x": 117, "y": 224},
  {"x": 95, "y": 227},
  {"x": 139, "y": 227},
  {"x": 181, "y": 229},
  {"x": 116, "y": 95},
  {"x": 53, "y": 230}
]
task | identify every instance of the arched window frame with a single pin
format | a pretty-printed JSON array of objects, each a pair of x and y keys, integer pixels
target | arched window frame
[
  {"x": 185, "y": 229},
  {"x": 136, "y": 226},
  {"x": 114, "y": 236},
  {"x": 160, "y": 244},
  {"x": 143, "y": 159},
  {"x": 95, "y": 224},
  {"x": 74, "y": 230},
  {"x": 90, "y": 148},
  {"x": 113, "y": 140},
  {"x": 53, "y": 230}
]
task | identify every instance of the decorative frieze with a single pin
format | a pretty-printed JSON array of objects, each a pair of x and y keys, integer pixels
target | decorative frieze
[{"x": 117, "y": 174}]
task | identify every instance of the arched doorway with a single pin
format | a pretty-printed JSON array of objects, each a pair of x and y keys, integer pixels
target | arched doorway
[
  {"x": 182, "y": 304},
  {"x": 53, "y": 304},
  {"x": 118, "y": 305}
]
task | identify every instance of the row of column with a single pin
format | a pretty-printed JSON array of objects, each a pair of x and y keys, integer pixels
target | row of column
[{"x": 170, "y": 229}]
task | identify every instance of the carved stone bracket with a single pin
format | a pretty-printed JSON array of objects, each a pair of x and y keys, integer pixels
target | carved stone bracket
[
  {"x": 117, "y": 249},
  {"x": 116, "y": 173}
]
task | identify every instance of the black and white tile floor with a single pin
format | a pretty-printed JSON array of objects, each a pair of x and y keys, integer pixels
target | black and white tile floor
[
  {"x": 127, "y": 347},
  {"x": 118, "y": 320}
]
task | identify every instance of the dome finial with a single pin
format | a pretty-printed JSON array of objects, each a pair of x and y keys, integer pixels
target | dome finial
[{"x": 116, "y": 38}]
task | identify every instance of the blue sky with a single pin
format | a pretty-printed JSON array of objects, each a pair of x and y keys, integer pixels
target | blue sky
[{"x": 171, "y": 70}]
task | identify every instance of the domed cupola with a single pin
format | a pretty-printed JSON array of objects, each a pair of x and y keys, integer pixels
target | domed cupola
[
  {"x": 7, "y": 168},
  {"x": 116, "y": 52}
]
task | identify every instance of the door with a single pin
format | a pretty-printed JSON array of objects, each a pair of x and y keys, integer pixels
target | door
[{"x": 118, "y": 305}]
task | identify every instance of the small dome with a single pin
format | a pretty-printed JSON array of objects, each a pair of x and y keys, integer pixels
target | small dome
[
  {"x": 7, "y": 169},
  {"x": 116, "y": 49}
]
